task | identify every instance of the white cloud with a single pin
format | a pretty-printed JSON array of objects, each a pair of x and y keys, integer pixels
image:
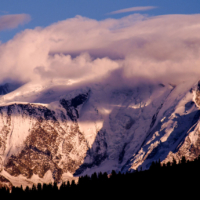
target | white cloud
[
  {"x": 13, "y": 21},
  {"x": 132, "y": 9},
  {"x": 4, "y": 12},
  {"x": 163, "y": 48}
]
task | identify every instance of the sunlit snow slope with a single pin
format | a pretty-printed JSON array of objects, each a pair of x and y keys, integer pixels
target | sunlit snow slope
[{"x": 55, "y": 131}]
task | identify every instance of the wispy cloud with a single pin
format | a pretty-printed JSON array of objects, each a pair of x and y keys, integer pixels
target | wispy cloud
[
  {"x": 142, "y": 8},
  {"x": 4, "y": 12},
  {"x": 13, "y": 21}
]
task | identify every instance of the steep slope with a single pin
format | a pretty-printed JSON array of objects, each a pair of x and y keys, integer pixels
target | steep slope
[
  {"x": 8, "y": 87},
  {"x": 174, "y": 135}
]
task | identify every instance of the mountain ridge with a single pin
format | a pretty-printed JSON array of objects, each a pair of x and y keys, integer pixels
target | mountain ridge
[{"x": 97, "y": 129}]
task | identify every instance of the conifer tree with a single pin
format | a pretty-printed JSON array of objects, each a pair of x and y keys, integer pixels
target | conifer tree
[
  {"x": 68, "y": 184},
  {"x": 105, "y": 176},
  {"x": 113, "y": 173},
  {"x": 55, "y": 187},
  {"x": 94, "y": 177},
  {"x": 39, "y": 187},
  {"x": 73, "y": 184},
  {"x": 183, "y": 160},
  {"x": 174, "y": 162},
  {"x": 100, "y": 175},
  {"x": 33, "y": 188},
  {"x": 44, "y": 188}
]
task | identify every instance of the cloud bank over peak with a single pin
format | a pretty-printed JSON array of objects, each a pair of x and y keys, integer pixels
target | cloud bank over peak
[
  {"x": 13, "y": 21},
  {"x": 162, "y": 49}
]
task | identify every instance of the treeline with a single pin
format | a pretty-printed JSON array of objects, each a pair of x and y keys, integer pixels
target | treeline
[{"x": 173, "y": 180}]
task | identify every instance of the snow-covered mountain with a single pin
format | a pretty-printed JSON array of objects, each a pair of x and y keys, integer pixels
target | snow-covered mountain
[{"x": 55, "y": 132}]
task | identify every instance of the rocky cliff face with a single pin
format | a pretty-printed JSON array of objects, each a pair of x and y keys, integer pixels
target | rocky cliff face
[
  {"x": 98, "y": 129},
  {"x": 190, "y": 144},
  {"x": 35, "y": 139}
]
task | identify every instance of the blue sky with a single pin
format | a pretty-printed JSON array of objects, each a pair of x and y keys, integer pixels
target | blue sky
[{"x": 46, "y": 12}]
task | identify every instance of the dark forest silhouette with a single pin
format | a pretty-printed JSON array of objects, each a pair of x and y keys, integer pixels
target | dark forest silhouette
[{"x": 160, "y": 181}]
